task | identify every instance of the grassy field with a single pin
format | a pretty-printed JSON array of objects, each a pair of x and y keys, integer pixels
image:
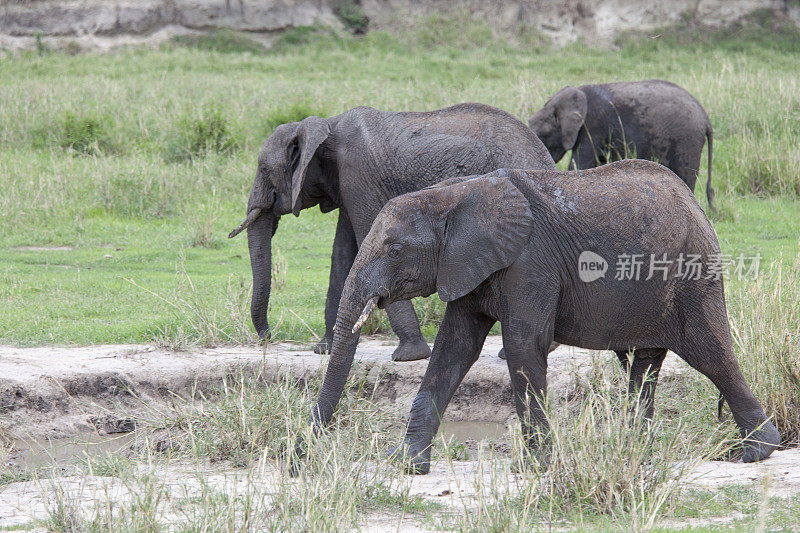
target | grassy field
[{"x": 121, "y": 175}]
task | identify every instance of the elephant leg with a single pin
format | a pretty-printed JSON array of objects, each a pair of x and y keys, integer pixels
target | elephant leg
[
  {"x": 553, "y": 345},
  {"x": 458, "y": 345},
  {"x": 405, "y": 324},
  {"x": 527, "y": 342},
  {"x": 342, "y": 257},
  {"x": 586, "y": 154},
  {"x": 643, "y": 372},
  {"x": 686, "y": 173},
  {"x": 708, "y": 348}
]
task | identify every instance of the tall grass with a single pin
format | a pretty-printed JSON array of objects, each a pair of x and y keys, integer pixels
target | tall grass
[
  {"x": 198, "y": 321},
  {"x": 765, "y": 319},
  {"x": 606, "y": 466}
]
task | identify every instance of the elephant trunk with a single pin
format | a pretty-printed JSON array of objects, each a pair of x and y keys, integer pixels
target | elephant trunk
[
  {"x": 259, "y": 241},
  {"x": 359, "y": 298},
  {"x": 343, "y": 349}
]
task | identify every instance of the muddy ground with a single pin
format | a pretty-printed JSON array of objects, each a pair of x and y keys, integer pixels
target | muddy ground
[{"x": 59, "y": 393}]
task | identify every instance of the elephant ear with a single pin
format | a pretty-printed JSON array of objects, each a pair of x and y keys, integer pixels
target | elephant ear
[
  {"x": 484, "y": 231},
  {"x": 570, "y": 110},
  {"x": 311, "y": 133}
]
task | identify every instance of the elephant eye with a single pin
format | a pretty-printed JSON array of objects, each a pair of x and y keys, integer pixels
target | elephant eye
[{"x": 394, "y": 251}]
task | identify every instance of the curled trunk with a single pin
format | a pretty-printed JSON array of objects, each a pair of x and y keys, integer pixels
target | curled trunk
[{"x": 259, "y": 241}]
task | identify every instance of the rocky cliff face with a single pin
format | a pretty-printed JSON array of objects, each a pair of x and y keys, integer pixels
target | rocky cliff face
[{"x": 104, "y": 24}]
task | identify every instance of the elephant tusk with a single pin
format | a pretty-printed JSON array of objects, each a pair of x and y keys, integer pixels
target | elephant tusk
[
  {"x": 371, "y": 303},
  {"x": 251, "y": 217}
]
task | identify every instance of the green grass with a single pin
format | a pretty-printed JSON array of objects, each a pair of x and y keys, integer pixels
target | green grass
[{"x": 148, "y": 157}]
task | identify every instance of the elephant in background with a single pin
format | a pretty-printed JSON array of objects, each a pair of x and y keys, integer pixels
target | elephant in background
[
  {"x": 358, "y": 161},
  {"x": 519, "y": 264},
  {"x": 651, "y": 119}
]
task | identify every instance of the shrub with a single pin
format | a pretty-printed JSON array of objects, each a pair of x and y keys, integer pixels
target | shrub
[
  {"x": 207, "y": 131},
  {"x": 85, "y": 134},
  {"x": 352, "y": 16},
  {"x": 42, "y": 48}
]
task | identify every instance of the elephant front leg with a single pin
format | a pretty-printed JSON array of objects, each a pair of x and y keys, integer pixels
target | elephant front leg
[
  {"x": 457, "y": 347},
  {"x": 406, "y": 325},
  {"x": 586, "y": 154},
  {"x": 344, "y": 253}
]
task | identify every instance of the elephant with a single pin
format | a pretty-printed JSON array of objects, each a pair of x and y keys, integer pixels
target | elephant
[
  {"x": 652, "y": 119},
  {"x": 356, "y": 162},
  {"x": 527, "y": 248}
]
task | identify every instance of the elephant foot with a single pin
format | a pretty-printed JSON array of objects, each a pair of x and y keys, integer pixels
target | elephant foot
[
  {"x": 295, "y": 465},
  {"x": 761, "y": 443},
  {"x": 502, "y": 353},
  {"x": 323, "y": 346},
  {"x": 413, "y": 462},
  {"x": 412, "y": 351},
  {"x": 537, "y": 460}
]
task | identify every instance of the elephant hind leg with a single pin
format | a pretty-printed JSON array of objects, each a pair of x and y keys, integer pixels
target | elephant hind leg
[
  {"x": 405, "y": 324},
  {"x": 708, "y": 348},
  {"x": 643, "y": 369}
]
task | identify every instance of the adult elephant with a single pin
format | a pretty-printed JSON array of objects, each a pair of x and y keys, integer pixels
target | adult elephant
[
  {"x": 651, "y": 119},
  {"x": 534, "y": 262},
  {"x": 358, "y": 161}
]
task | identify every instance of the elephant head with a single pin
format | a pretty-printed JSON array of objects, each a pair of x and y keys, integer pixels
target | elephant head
[
  {"x": 447, "y": 239},
  {"x": 558, "y": 123},
  {"x": 291, "y": 175}
]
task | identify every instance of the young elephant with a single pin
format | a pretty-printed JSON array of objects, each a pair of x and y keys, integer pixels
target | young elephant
[
  {"x": 356, "y": 162},
  {"x": 651, "y": 119},
  {"x": 516, "y": 246}
]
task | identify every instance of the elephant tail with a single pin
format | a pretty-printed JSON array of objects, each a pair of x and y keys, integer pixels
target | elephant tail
[
  {"x": 709, "y": 190},
  {"x": 720, "y": 405}
]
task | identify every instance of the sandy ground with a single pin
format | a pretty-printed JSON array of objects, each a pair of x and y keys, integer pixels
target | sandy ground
[{"x": 58, "y": 392}]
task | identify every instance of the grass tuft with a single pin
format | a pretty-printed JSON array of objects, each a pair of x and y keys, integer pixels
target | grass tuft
[
  {"x": 289, "y": 40},
  {"x": 198, "y": 322},
  {"x": 84, "y": 134},
  {"x": 765, "y": 320},
  {"x": 202, "y": 132}
]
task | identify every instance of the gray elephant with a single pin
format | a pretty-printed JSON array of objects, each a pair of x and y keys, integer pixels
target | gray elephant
[
  {"x": 359, "y": 160},
  {"x": 651, "y": 119},
  {"x": 516, "y": 247}
]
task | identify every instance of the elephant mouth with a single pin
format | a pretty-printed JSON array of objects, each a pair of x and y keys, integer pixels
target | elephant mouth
[{"x": 373, "y": 302}]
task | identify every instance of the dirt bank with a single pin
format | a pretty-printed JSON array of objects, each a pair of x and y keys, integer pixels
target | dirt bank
[
  {"x": 57, "y": 392},
  {"x": 103, "y": 25},
  {"x": 61, "y": 391}
]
